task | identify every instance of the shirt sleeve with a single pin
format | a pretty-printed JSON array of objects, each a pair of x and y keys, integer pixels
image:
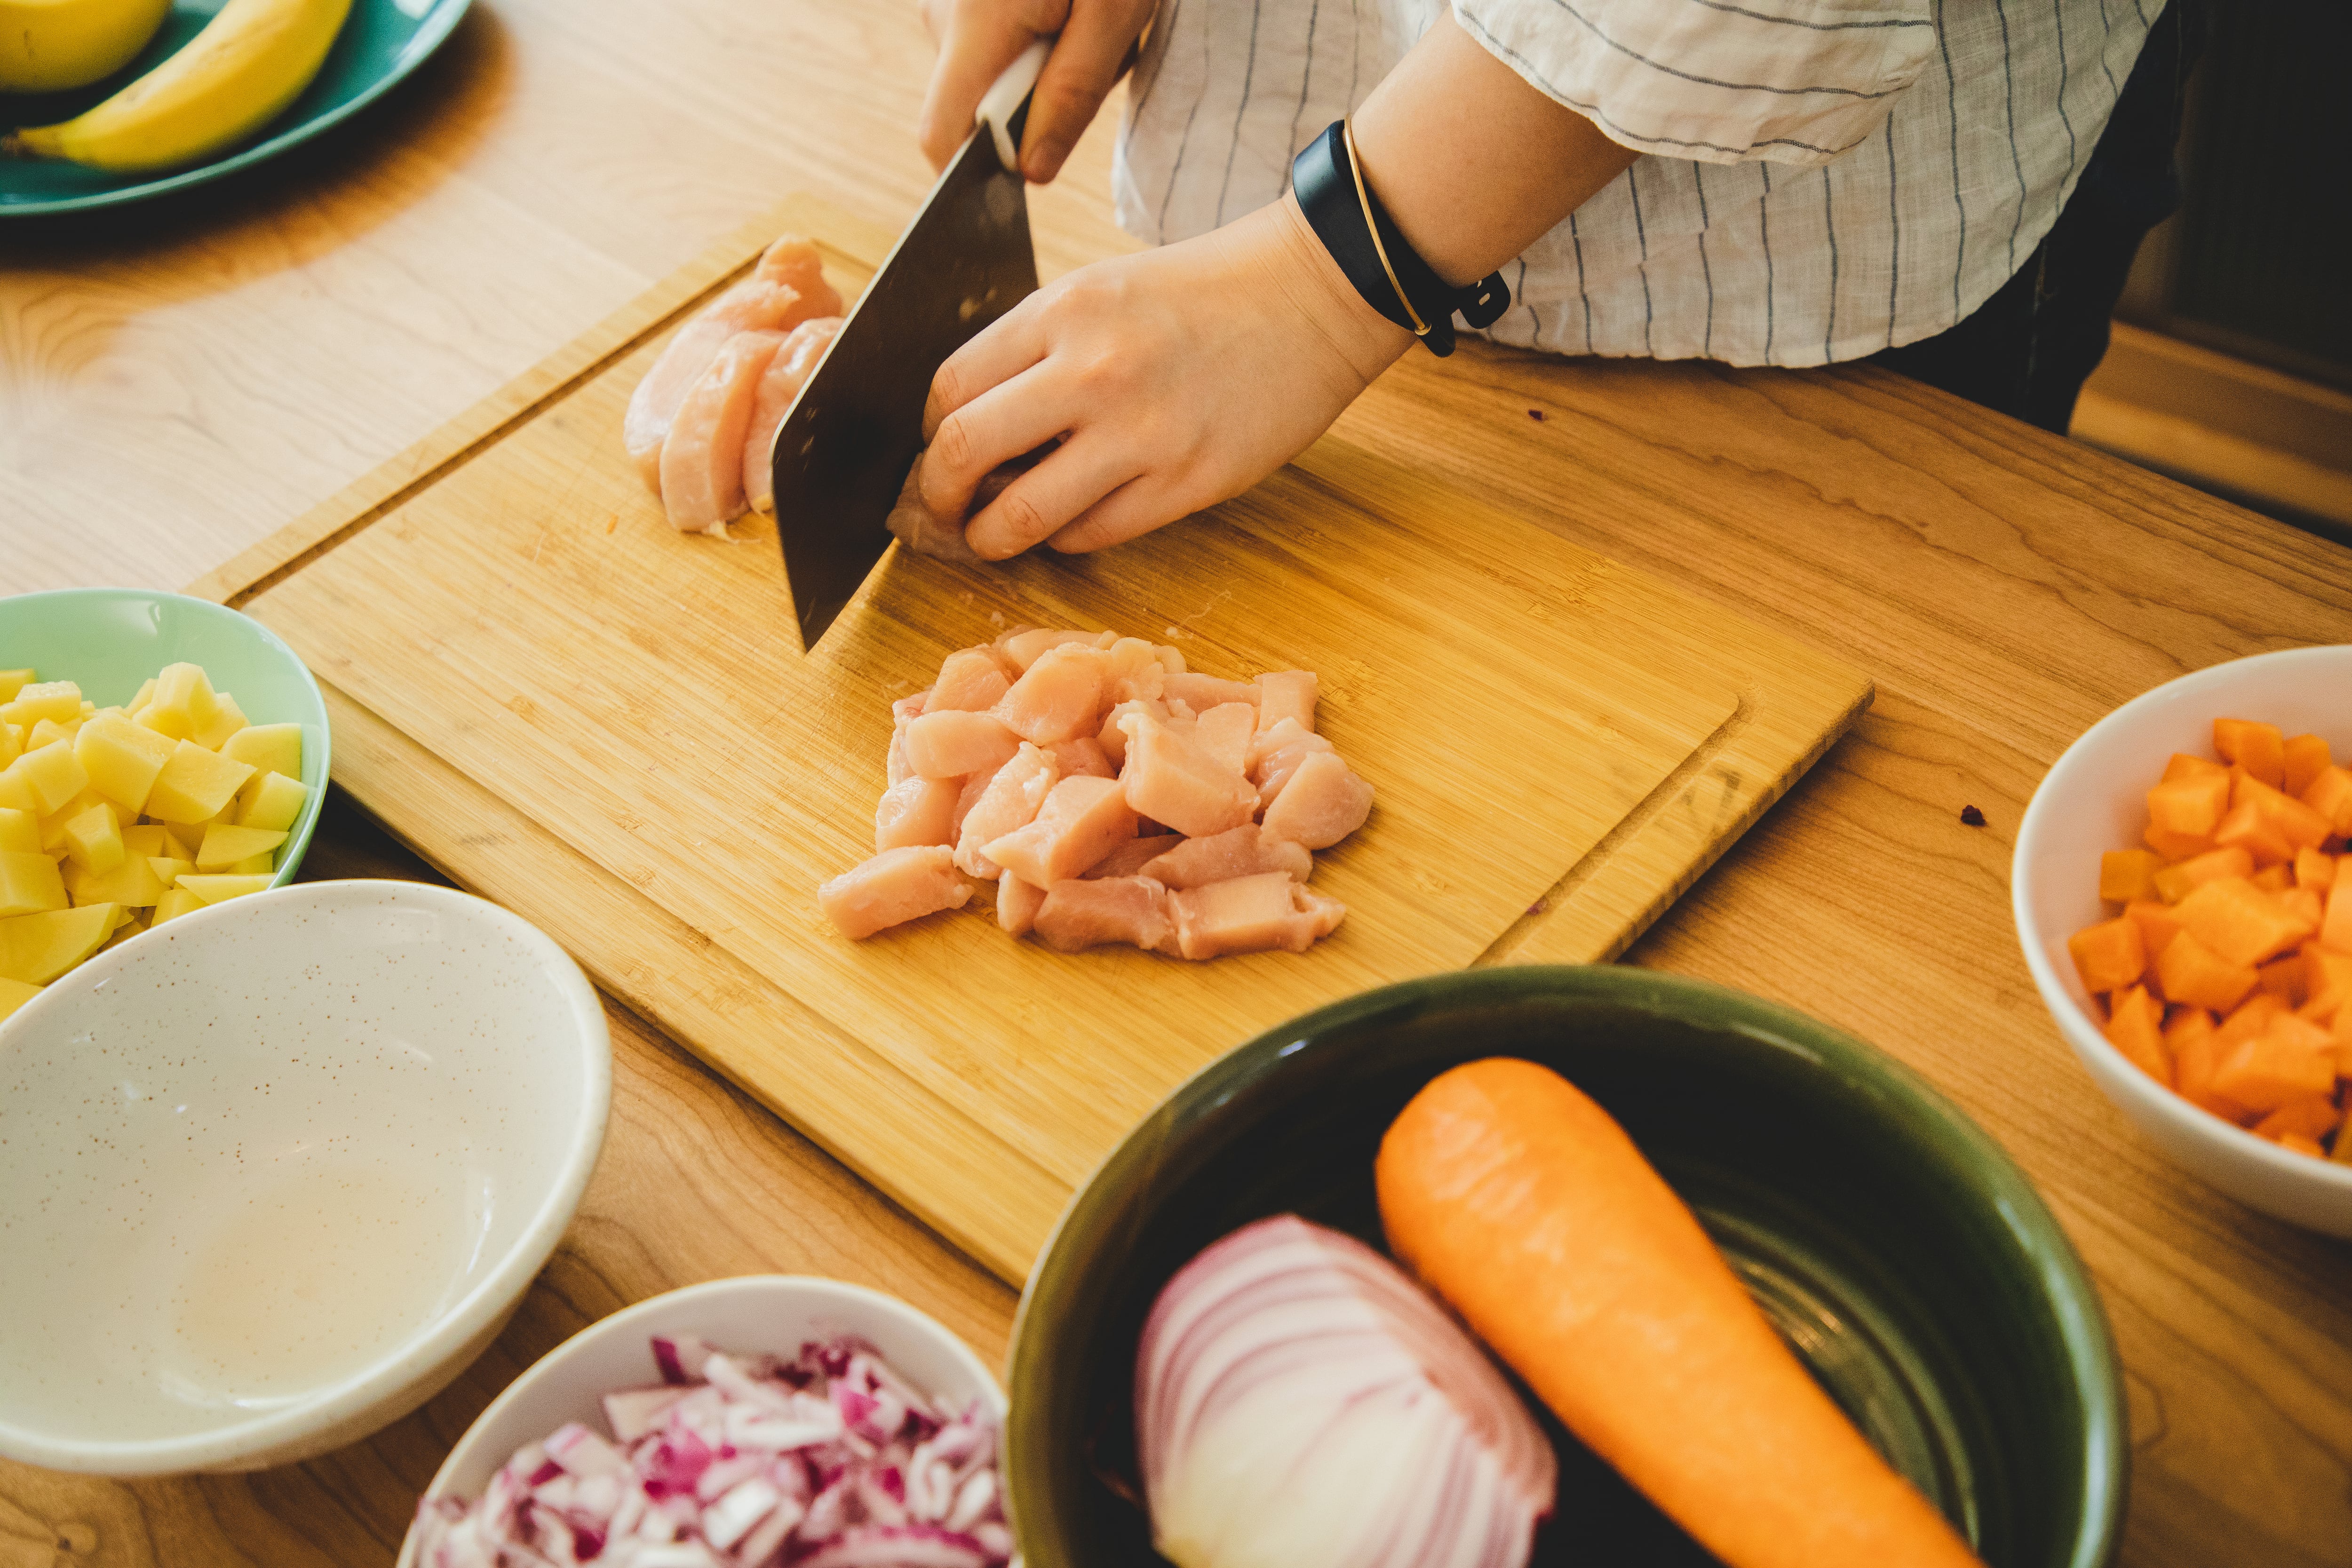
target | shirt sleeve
[{"x": 1785, "y": 81}]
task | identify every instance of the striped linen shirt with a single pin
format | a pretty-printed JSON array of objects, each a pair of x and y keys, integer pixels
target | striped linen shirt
[{"x": 1820, "y": 179}]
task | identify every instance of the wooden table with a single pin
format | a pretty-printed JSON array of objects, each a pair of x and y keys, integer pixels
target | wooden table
[{"x": 179, "y": 380}]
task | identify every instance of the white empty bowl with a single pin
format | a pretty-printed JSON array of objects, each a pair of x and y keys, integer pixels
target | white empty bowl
[
  {"x": 2094, "y": 800},
  {"x": 770, "y": 1312},
  {"x": 271, "y": 1174}
]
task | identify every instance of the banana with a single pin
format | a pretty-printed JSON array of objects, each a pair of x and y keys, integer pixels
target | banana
[
  {"x": 250, "y": 62},
  {"x": 48, "y": 46}
]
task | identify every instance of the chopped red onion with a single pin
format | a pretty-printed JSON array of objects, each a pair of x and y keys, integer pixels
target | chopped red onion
[{"x": 830, "y": 1459}]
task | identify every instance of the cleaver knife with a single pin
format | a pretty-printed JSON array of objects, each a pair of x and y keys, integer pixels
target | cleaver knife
[{"x": 843, "y": 452}]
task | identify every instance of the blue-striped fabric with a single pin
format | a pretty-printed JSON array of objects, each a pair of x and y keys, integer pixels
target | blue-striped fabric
[{"x": 1820, "y": 179}]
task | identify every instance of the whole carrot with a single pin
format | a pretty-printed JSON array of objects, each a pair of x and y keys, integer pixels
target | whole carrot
[{"x": 1527, "y": 1208}]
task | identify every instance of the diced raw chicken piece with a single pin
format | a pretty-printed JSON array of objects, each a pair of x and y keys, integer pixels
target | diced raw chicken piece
[
  {"x": 1171, "y": 659},
  {"x": 970, "y": 681},
  {"x": 702, "y": 458},
  {"x": 1024, "y": 645},
  {"x": 1284, "y": 735},
  {"x": 1225, "y": 731},
  {"x": 921, "y": 530},
  {"x": 950, "y": 743},
  {"x": 1079, "y": 915},
  {"x": 1286, "y": 694},
  {"x": 903, "y": 712},
  {"x": 796, "y": 360},
  {"x": 755, "y": 305},
  {"x": 1082, "y": 821},
  {"x": 1017, "y": 903},
  {"x": 917, "y": 811},
  {"x": 1206, "y": 691},
  {"x": 1059, "y": 696},
  {"x": 1275, "y": 763},
  {"x": 1244, "y": 851},
  {"x": 1134, "y": 673},
  {"x": 1011, "y": 800},
  {"x": 1168, "y": 778},
  {"x": 974, "y": 787},
  {"x": 1250, "y": 914},
  {"x": 896, "y": 886},
  {"x": 1113, "y": 739},
  {"x": 796, "y": 263},
  {"x": 1129, "y": 859},
  {"x": 1323, "y": 802},
  {"x": 1083, "y": 758}
]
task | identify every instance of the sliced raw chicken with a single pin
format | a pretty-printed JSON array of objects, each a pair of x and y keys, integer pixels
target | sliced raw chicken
[
  {"x": 1082, "y": 821},
  {"x": 1131, "y": 856},
  {"x": 1017, "y": 903},
  {"x": 796, "y": 360},
  {"x": 1288, "y": 694},
  {"x": 1113, "y": 739},
  {"x": 1244, "y": 851},
  {"x": 1168, "y": 778},
  {"x": 903, "y": 712},
  {"x": 974, "y": 787},
  {"x": 1250, "y": 914},
  {"x": 702, "y": 459},
  {"x": 796, "y": 263},
  {"x": 1134, "y": 673},
  {"x": 1225, "y": 731},
  {"x": 1323, "y": 802},
  {"x": 949, "y": 744},
  {"x": 895, "y": 886},
  {"x": 1203, "y": 692},
  {"x": 757, "y": 304},
  {"x": 1059, "y": 696},
  {"x": 970, "y": 681},
  {"x": 1025, "y": 644},
  {"x": 1011, "y": 800},
  {"x": 1083, "y": 758},
  {"x": 1079, "y": 915},
  {"x": 917, "y": 811}
]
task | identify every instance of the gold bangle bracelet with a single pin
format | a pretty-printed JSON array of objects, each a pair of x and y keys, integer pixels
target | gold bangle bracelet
[{"x": 1356, "y": 168}]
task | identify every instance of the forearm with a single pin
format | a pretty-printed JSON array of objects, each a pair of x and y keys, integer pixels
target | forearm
[{"x": 1472, "y": 162}]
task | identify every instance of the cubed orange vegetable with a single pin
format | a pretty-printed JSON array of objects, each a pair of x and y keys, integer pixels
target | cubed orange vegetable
[
  {"x": 2273, "y": 1069},
  {"x": 2302, "y": 827},
  {"x": 2285, "y": 978},
  {"x": 2253, "y": 830},
  {"x": 2311, "y": 869},
  {"x": 2273, "y": 879},
  {"x": 2307, "y": 759},
  {"x": 2306, "y": 906},
  {"x": 2126, "y": 876},
  {"x": 2326, "y": 982},
  {"x": 2196, "y": 1049},
  {"x": 2258, "y": 747},
  {"x": 2176, "y": 882},
  {"x": 2136, "y": 1028},
  {"x": 2159, "y": 924},
  {"x": 2296, "y": 1142},
  {"x": 2177, "y": 847},
  {"x": 2196, "y": 976},
  {"x": 2184, "y": 764},
  {"x": 2336, "y": 923},
  {"x": 2330, "y": 794},
  {"x": 2109, "y": 955},
  {"x": 2192, "y": 806},
  {"x": 2313, "y": 1118},
  {"x": 2252, "y": 1018},
  {"x": 2240, "y": 922}
]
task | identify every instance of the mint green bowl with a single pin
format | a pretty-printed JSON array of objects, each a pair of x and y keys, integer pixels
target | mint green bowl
[{"x": 110, "y": 640}]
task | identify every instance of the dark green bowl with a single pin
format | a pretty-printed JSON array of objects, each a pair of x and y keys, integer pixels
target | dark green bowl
[{"x": 1909, "y": 1262}]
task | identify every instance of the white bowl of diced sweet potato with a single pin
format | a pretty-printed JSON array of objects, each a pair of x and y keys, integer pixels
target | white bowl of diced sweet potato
[{"x": 2178, "y": 895}]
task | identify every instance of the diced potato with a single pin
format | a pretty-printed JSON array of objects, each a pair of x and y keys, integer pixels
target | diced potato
[
  {"x": 53, "y": 827},
  {"x": 228, "y": 721},
  {"x": 121, "y": 760},
  {"x": 36, "y": 949},
  {"x": 182, "y": 703},
  {"x": 52, "y": 774},
  {"x": 20, "y": 832},
  {"x": 271, "y": 800},
  {"x": 16, "y": 794},
  {"x": 180, "y": 843},
  {"x": 14, "y": 994},
  {"x": 147, "y": 838},
  {"x": 132, "y": 926},
  {"x": 146, "y": 695},
  {"x": 214, "y": 890},
  {"x": 272, "y": 748},
  {"x": 13, "y": 681},
  {"x": 29, "y": 884},
  {"x": 12, "y": 744},
  {"x": 263, "y": 864},
  {"x": 195, "y": 783},
  {"x": 94, "y": 838},
  {"x": 224, "y": 845},
  {"x": 47, "y": 731},
  {"x": 173, "y": 904},
  {"x": 54, "y": 700},
  {"x": 133, "y": 882},
  {"x": 170, "y": 870}
]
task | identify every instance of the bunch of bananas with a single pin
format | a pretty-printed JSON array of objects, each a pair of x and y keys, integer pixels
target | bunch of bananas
[{"x": 252, "y": 59}]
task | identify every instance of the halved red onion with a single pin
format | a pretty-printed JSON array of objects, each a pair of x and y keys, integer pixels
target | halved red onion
[{"x": 1300, "y": 1403}]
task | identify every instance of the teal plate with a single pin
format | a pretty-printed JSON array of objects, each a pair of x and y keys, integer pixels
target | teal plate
[{"x": 381, "y": 42}]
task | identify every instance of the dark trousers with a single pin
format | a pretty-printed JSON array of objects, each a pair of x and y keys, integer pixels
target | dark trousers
[{"x": 2028, "y": 350}]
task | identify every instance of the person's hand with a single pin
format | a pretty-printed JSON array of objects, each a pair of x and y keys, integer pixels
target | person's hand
[
  {"x": 978, "y": 39},
  {"x": 1176, "y": 378}
]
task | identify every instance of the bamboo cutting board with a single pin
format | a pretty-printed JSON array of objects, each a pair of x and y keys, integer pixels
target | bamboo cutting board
[{"x": 609, "y": 727}]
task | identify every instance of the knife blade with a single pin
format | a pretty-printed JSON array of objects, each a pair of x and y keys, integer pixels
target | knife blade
[{"x": 844, "y": 448}]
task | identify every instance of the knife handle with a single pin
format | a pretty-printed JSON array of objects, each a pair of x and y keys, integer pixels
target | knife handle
[{"x": 1005, "y": 107}]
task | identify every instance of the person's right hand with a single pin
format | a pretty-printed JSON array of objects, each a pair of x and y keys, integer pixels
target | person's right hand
[{"x": 978, "y": 39}]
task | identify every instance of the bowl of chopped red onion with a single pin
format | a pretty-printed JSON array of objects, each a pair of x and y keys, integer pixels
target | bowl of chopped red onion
[{"x": 736, "y": 1424}]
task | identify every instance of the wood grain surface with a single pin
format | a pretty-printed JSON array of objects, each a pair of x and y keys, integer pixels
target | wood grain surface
[{"x": 179, "y": 381}]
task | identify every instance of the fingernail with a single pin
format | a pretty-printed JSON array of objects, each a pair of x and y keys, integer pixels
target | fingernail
[{"x": 1044, "y": 162}]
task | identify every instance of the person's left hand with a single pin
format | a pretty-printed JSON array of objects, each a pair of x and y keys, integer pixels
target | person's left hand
[{"x": 1176, "y": 378}]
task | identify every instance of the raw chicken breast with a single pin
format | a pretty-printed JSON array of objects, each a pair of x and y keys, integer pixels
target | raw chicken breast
[
  {"x": 1082, "y": 821},
  {"x": 902, "y": 713},
  {"x": 1244, "y": 851},
  {"x": 796, "y": 263},
  {"x": 1011, "y": 798},
  {"x": 1025, "y": 644},
  {"x": 1203, "y": 692},
  {"x": 974, "y": 787},
  {"x": 1017, "y": 903},
  {"x": 1083, "y": 758},
  {"x": 796, "y": 360},
  {"x": 1113, "y": 739},
  {"x": 1168, "y": 778},
  {"x": 1134, "y": 672},
  {"x": 896, "y": 886},
  {"x": 1225, "y": 731},
  {"x": 702, "y": 459},
  {"x": 755, "y": 305},
  {"x": 949, "y": 744},
  {"x": 1079, "y": 915},
  {"x": 1323, "y": 802},
  {"x": 1286, "y": 694},
  {"x": 1129, "y": 859},
  {"x": 917, "y": 811},
  {"x": 1250, "y": 914},
  {"x": 970, "y": 681},
  {"x": 1059, "y": 696},
  {"x": 918, "y": 528}
]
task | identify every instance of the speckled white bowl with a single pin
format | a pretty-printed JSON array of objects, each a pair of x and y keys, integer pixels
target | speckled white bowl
[
  {"x": 272, "y": 1175},
  {"x": 774, "y": 1313},
  {"x": 2094, "y": 799}
]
